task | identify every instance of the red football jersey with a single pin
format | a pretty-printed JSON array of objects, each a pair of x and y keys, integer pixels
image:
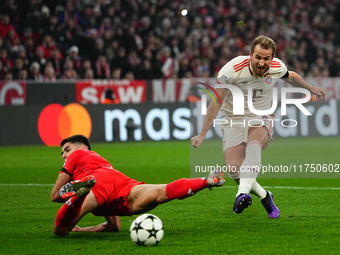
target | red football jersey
[
  {"x": 83, "y": 162},
  {"x": 111, "y": 188}
]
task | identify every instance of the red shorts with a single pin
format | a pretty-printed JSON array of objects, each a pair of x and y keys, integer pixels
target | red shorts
[{"x": 111, "y": 191}]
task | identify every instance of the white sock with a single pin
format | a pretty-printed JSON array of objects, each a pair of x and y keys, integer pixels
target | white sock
[
  {"x": 257, "y": 190},
  {"x": 250, "y": 167}
]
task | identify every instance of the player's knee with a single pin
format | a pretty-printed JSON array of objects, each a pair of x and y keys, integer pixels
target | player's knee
[
  {"x": 235, "y": 175},
  {"x": 161, "y": 195},
  {"x": 265, "y": 144},
  {"x": 113, "y": 224},
  {"x": 233, "y": 166},
  {"x": 60, "y": 231},
  {"x": 115, "y": 228}
]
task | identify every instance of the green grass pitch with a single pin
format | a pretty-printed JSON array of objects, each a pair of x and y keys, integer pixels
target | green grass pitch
[{"x": 202, "y": 224}]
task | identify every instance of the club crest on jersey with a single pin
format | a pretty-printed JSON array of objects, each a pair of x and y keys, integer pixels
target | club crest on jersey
[{"x": 269, "y": 80}]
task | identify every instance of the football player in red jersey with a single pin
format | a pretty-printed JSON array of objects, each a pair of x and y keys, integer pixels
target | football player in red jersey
[{"x": 88, "y": 183}]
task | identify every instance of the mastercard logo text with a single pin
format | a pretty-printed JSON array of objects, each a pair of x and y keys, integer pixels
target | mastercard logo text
[{"x": 57, "y": 122}]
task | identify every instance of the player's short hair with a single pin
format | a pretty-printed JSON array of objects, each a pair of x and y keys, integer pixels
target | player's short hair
[
  {"x": 76, "y": 139},
  {"x": 265, "y": 42}
]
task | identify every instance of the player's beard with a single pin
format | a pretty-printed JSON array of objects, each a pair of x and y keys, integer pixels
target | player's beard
[{"x": 259, "y": 71}]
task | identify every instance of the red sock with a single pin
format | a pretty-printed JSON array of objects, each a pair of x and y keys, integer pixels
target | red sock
[
  {"x": 69, "y": 211},
  {"x": 184, "y": 188}
]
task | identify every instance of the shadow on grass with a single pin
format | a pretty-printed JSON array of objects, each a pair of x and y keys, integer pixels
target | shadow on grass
[{"x": 93, "y": 235}]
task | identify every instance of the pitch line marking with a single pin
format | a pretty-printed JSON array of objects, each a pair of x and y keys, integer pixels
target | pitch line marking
[
  {"x": 287, "y": 187},
  {"x": 228, "y": 187},
  {"x": 26, "y": 184}
]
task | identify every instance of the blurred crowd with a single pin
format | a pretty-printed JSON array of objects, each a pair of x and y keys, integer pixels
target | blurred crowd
[{"x": 46, "y": 40}]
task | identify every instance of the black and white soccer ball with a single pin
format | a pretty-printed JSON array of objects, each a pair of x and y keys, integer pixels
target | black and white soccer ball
[{"x": 146, "y": 229}]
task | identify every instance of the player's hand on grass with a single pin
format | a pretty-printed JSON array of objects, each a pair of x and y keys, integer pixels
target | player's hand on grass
[
  {"x": 76, "y": 229},
  {"x": 318, "y": 93},
  {"x": 197, "y": 140}
]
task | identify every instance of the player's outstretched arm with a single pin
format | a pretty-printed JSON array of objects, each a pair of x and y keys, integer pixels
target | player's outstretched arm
[
  {"x": 209, "y": 118},
  {"x": 296, "y": 80},
  {"x": 113, "y": 224}
]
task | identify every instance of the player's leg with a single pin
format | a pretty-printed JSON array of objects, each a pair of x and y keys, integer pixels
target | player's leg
[
  {"x": 266, "y": 196},
  {"x": 234, "y": 149},
  {"x": 72, "y": 211},
  {"x": 113, "y": 223},
  {"x": 237, "y": 154},
  {"x": 145, "y": 197},
  {"x": 258, "y": 138},
  {"x": 233, "y": 158},
  {"x": 246, "y": 157}
]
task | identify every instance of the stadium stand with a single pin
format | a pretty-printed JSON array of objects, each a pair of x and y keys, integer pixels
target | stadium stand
[{"x": 46, "y": 40}]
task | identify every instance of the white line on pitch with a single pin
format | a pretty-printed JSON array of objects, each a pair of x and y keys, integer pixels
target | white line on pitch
[
  {"x": 25, "y": 184},
  {"x": 286, "y": 187},
  {"x": 267, "y": 187}
]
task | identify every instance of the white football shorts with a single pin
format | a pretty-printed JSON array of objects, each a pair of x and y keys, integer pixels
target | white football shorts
[{"x": 235, "y": 129}]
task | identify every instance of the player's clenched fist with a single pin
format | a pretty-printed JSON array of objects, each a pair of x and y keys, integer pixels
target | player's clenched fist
[
  {"x": 197, "y": 140},
  {"x": 319, "y": 92}
]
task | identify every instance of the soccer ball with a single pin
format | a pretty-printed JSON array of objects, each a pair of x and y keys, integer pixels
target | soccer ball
[{"x": 146, "y": 229}]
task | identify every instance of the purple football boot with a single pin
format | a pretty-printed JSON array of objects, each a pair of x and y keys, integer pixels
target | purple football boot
[
  {"x": 242, "y": 202},
  {"x": 269, "y": 205}
]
